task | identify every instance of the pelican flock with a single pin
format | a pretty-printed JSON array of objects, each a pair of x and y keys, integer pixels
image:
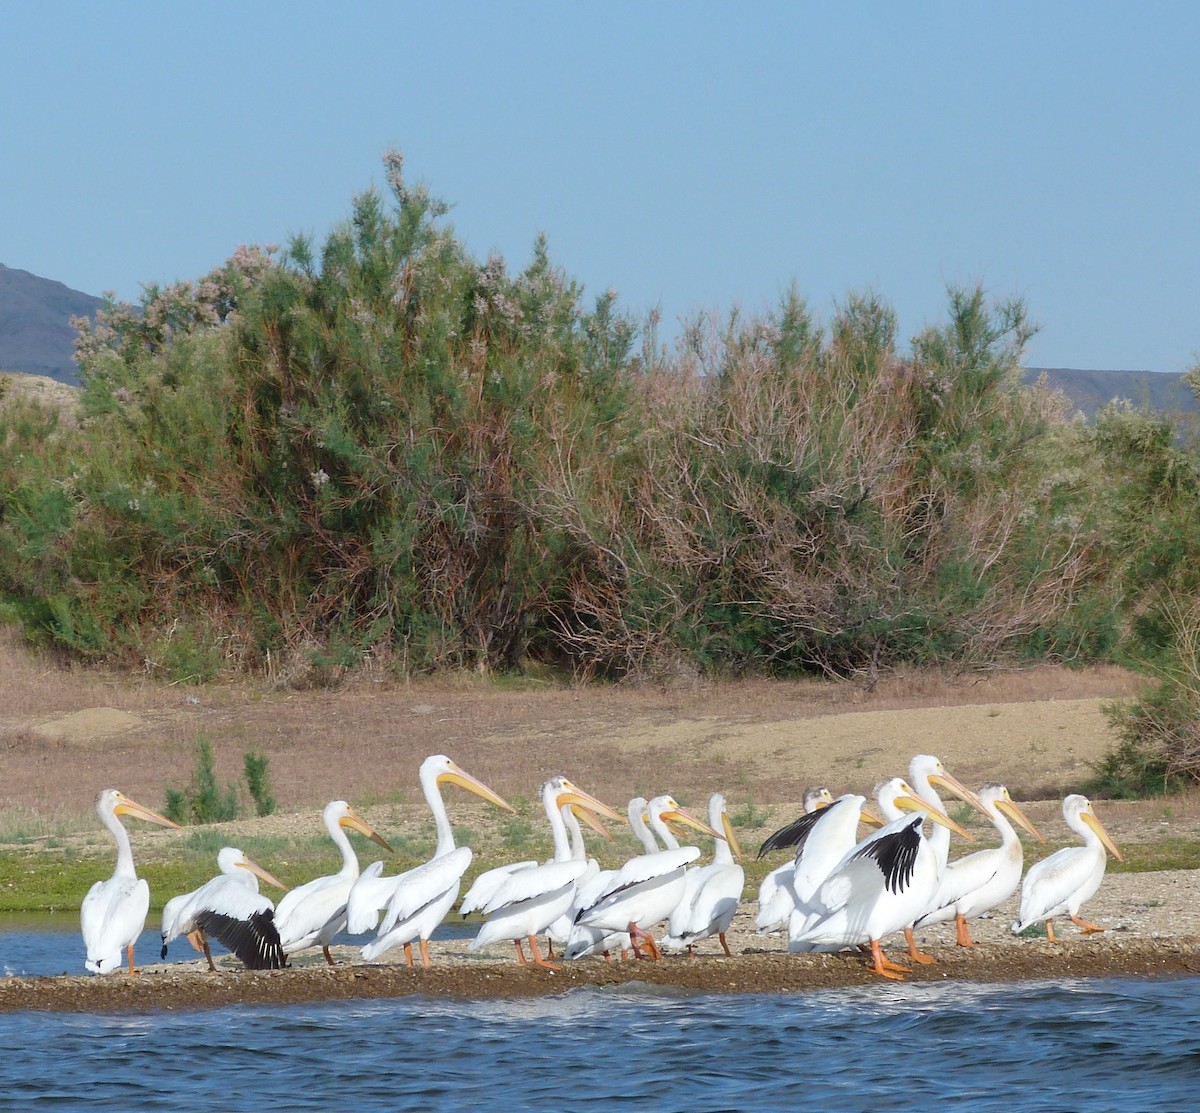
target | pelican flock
[{"x": 853, "y": 880}]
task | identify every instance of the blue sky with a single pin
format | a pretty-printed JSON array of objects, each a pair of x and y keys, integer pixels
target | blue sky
[{"x": 692, "y": 156}]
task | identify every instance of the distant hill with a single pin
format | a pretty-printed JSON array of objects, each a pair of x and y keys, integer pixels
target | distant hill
[
  {"x": 1164, "y": 391},
  {"x": 35, "y": 324},
  {"x": 36, "y": 337}
]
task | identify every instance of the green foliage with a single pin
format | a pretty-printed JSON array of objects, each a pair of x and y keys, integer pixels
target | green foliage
[
  {"x": 202, "y": 801},
  {"x": 255, "y": 767},
  {"x": 377, "y": 449}
]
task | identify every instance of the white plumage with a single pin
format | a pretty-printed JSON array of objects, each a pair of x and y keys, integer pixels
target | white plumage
[
  {"x": 926, "y": 774},
  {"x": 1068, "y": 878},
  {"x": 644, "y": 891},
  {"x": 421, "y": 897},
  {"x": 979, "y": 882},
  {"x": 314, "y": 913},
  {"x": 776, "y": 897},
  {"x": 711, "y": 893},
  {"x": 230, "y": 908},
  {"x": 113, "y": 912},
  {"x": 529, "y": 900},
  {"x": 883, "y": 883}
]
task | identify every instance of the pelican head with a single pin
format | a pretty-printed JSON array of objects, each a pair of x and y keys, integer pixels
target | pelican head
[
  {"x": 444, "y": 771},
  {"x": 816, "y": 797},
  {"x": 339, "y": 814},
  {"x": 231, "y": 859},
  {"x": 996, "y": 795},
  {"x": 718, "y": 811},
  {"x": 905, "y": 799},
  {"x": 1080, "y": 808},
  {"x": 562, "y": 793},
  {"x": 669, "y": 811},
  {"x": 112, "y": 802},
  {"x": 929, "y": 767}
]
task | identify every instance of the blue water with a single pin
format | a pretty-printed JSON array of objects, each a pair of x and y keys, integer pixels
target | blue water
[
  {"x": 34, "y": 946},
  {"x": 1081, "y": 1045}
]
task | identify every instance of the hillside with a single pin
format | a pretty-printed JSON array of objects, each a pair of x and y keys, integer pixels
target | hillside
[
  {"x": 36, "y": 337},
  {"x": 35, "y": 324},
  {"x": 1163, "y": 391}
]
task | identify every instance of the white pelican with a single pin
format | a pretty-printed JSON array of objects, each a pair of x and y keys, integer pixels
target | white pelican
[
  {"x": 559, "y": 930},
  {"x": 712, "y": 892},
  {"x": 581, "y": 940},
  {"x": 979, "y": 882},
  {"x": 881, "y": 885},
  {"x": 1069, "y": 877},
  {"x": 422, "y": 896},
  {"x": 528, "y": 901},
  {"x": 776, "y": 897},
  {"x": 230, "y": 908},
  {"x": 822, "y": 839},
  {"x": 114, "y": 911},
  {"x": 646, "y": 889},
  {"x": 313, "y": 913},
  {"x": 926, "y": 774}
]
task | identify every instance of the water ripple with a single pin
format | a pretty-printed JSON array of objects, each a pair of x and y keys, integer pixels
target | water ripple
[{"x": 1085, "y": 1045}]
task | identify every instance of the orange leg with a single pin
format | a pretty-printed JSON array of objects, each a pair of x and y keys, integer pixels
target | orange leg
[
  {"x": 1050, "y": 931},
  {"x": 129, "y": 955},
  {"x": 520, "y": 951},
  {"x": 328, "y": 956},
  {"x": 1084, "y": 926},
  {"x": 915, "y": 954},
  {"x": 724, "y": 944},
  {"x": 962, "y": 931},
  {"x": 882, "y": 966},
  {"x": 537, "y": 955},
  {"x": 212, "y": 966},
  {"x": 425, "y": 960},
  {"x": 408, "y": 954},
  {"x": 636, "y": 933}
]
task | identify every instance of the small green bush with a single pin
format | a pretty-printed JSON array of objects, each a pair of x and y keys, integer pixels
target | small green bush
[
  {"x": 256, "y": 779},
  {"x": 202, "y": 801}
]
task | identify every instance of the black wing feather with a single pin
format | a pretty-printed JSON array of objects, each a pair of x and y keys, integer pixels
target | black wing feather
[
  {"x": 794, "y": 834},
  {"x": 896, "y": 854},
  {"x": 255, "y": 941}
]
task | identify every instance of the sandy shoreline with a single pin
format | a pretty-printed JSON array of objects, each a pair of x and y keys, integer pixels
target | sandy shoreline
[
  {"x": 1152, "y": 921},
  {"x": 165, "y": 987}
]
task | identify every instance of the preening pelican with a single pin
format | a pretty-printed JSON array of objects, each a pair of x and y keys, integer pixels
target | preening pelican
[
  {"x": 881, "y": 885},
  {"x": 529, "y": 900},
  {"x": 422, "y": 896},
  {"x": 1068, "y": 877},
  {"x": 230, "y": 909},
  {"x": 776, "y": 897},
  {"x": 822, "y": 839},
  {"x": 114, "y": 911},
  {"x": 978, "y": 882},
  {"x": 711, "y": 893},
  {"x": 313, "y": 913},
  {"x": 926, "y": 774},
  {"x": 645, "y": 890}
]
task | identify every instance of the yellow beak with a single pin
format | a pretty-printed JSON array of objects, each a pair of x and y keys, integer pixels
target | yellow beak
[
  {"x": 364, "y": 828},
  {"x": 1090, "y": 819},
  {"x": 140, "y": 811},
  {"x": 463, "y": 779},
  {"x": 254, "y": 868}
]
